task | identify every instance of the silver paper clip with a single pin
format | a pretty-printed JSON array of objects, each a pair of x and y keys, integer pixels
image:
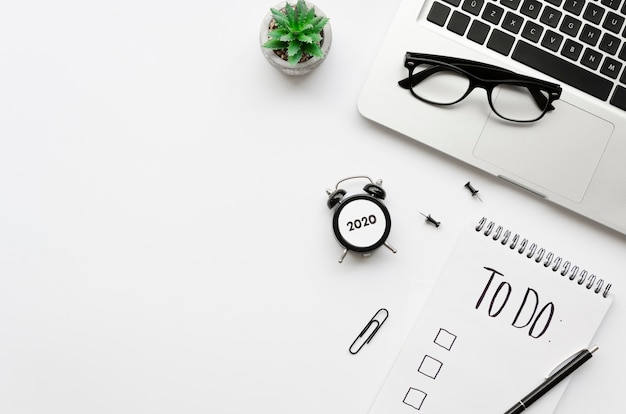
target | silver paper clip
[{"x": 377, "y": 322}]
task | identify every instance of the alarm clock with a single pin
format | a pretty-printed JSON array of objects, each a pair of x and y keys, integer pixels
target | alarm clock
[{"x": 361, "y": 222}]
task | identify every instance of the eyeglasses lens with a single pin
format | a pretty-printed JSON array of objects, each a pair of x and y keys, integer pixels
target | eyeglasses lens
[
  {"x": 519, "y": 103},
  {"x": 439, "y": 85}
]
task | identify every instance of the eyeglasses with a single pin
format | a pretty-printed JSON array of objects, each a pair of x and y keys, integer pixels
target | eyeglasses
[{"x": 443, "y": 80}]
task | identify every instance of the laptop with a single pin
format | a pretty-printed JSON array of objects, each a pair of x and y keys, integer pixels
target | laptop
[{"x": 575, "y": 156}]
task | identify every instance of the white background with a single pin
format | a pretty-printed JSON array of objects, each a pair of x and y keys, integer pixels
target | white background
[{"x": 165, "y": 244}]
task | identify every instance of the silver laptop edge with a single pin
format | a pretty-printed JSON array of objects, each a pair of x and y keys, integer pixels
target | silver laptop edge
[{"x": 574, "y": 157}]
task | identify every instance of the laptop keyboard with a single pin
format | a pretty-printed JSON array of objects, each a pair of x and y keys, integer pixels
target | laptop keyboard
[{"x": 578, "y": 42}]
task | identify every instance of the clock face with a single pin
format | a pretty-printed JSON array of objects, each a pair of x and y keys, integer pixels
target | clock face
[{"x": 361, "y": 223}]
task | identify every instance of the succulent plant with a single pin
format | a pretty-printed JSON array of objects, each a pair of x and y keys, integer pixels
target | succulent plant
[{"x": 298, "y": 31}]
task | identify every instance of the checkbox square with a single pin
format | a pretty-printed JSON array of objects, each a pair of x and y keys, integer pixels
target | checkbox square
[
  {"x": 445, "y": 339},
  {"x": 430, "y": 366},
  {"x": 414, "y": 398}
]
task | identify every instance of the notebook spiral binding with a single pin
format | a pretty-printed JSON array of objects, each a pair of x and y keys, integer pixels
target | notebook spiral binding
[{"x": 539, "y": 254}]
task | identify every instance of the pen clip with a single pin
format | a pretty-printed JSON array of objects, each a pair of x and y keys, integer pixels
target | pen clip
[
  {"x": 375, "y": 321},
  {"x": 569, "y": 359}
]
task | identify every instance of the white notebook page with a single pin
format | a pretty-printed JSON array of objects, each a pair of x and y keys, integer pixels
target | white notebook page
[{"x": 495, "y": 325}]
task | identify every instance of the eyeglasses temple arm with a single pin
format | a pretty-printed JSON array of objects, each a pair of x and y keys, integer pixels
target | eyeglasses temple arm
[
  {"x": 405, "y": 83},
  {"x": 415, "y": 78}
]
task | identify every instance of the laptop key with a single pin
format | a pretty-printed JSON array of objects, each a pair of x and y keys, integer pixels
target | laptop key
[
  {"x": 513, "y": 4},
  {"x": 613, "y": 22},
  {"x": 550, "y": 16},
  {"x": 611, "y": 68},
  {"x": 473, "y": 6},
  {"x": 552, "y": 40},
  {"x": 512, "y": 22},
  {"x": 591, "y": 59},
  {"x": 458, "y": 23},
  {"x": 500, "y": 42},
  {"x": 593, "y": 13},
  {"x": 438, "y": 14},
  {"x": 572, "y": 49},
  {"x": 614, "y": 4},
  {"x": 590, "y": 35},
  {"x": 531, "y": 8},
  {"x": 619, "y": 98},
  {"x": 532, "y": 31},
  {"x": 570, "y": 26},
  {"x": 493, "y": 13},
  {"x": 562, "y": 70},
  {"x": 574, "y": 6},
  {"x": 622, "y": 53},
  {"x": 609, "y": 44},
  {"x": 478, "y": 32}
]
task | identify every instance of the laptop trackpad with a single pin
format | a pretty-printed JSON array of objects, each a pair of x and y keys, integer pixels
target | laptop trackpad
[{"x": 558, "y": 153}]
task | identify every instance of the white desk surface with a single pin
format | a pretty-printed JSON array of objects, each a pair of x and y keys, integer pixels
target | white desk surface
[{"x": 165, "y": 244}]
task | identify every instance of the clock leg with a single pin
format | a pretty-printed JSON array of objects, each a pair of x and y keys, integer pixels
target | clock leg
[
  {"x": 387, "y": 245},
  {"x": 343, "y": 256}
]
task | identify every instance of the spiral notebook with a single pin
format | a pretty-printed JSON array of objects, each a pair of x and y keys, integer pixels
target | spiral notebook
[{"x": 503, "y": 314}]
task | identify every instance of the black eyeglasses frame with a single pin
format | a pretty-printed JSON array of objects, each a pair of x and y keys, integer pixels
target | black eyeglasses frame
[{"x": 481, "y": 75}]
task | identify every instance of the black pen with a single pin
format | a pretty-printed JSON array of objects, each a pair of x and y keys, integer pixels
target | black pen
[{"x": 561, "y": 372}]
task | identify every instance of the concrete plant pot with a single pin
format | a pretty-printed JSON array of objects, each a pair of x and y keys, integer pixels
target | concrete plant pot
[{"x": 279, "y": 63}]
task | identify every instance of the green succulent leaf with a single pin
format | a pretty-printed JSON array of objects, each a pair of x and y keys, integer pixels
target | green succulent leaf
[
  {"x": 304, "y": 38},
  {"x": 295, "y": 58},
  {"x": 290, "y": 13},
  {"x": 288, "y": 37},
  {"x": 275, "y": 44},
  {"x": 313, "y": 49},
  {"x": 310, "y": 15},
  {"x": 294, "y": 48},
  {"x": 319, "y": 25},
  {"x": 302, "y": 12},
  {"x": 278, "y": 33},
  {"x": 280, "y": 19},
  {"x": 315, "y": 38}
]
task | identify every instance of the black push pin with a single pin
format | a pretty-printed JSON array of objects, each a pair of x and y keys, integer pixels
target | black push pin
[
  {"x": 473, "y": 191},
  {"x": 431, "y": 220}
]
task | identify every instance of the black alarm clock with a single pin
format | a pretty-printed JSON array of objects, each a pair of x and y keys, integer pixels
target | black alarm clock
[{"x": 361, "y": 222}]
